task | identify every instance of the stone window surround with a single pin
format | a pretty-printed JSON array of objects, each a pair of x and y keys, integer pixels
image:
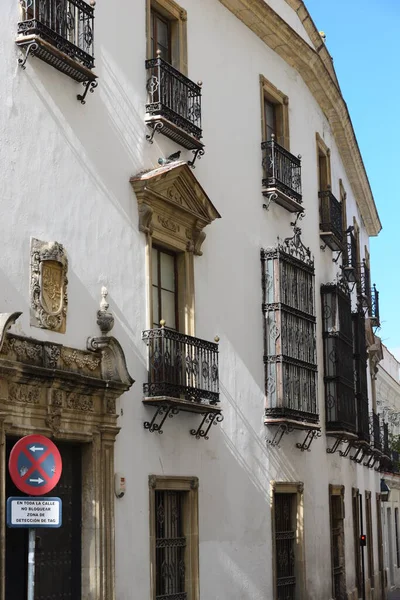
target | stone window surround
[
  {"x": 289, "y": 487},
  {"x": 173, "y": 211},
  {"x": 189, "y": 485},
  {"x": 69, "y": 395},
  {"x": 336, "y": 490},
  {"x": 178, "y": 18},
  {"x": 281, "y": 101}
]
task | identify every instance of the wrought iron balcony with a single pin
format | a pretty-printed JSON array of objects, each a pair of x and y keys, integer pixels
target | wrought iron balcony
[
  {"x": 385, "y": 439},
  {"x": 61, "y": 33},
  {"x": 174, "y": 104},
  {"x": 364, "y": 286},
  {"x": 331, "y": 226},
  {"x": 350, "y": 267},
  {"x": 376, "y": 441},
  {"x": 183, "y": 376},
  {"x": 374, "y": 316},
  {"x": 282, "y": 176}
]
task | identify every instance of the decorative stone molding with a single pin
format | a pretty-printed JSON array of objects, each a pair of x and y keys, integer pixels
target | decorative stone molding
[
  {"x": 49, "y": 299},
  {"x": 80, "y": 360},
  {"x": 23, "y": 393},
  {"x": 40, "y": 395},
  {"x": 105, "y": 320},
  {"x": 173, "y": 207},
  {"x": 316, "y": 69}
]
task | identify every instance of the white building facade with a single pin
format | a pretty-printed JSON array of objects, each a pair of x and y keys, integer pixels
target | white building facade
[{"x": 239, "y": 300}]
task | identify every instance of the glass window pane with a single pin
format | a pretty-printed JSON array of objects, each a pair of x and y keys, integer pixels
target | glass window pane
[
  {"x": 269, "y": 110},
  {"x": 156, "y": 308},
  {"x": 168, "y": 308},
  {"x": 167, "y": 272},
  {"x": 162, "y": 33}
]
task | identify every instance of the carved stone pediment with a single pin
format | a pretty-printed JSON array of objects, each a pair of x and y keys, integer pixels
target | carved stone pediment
[{"x": 172, "y": 204}]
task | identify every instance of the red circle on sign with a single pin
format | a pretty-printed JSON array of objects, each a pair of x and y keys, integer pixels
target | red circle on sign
[{"x": 35, "y": 465}]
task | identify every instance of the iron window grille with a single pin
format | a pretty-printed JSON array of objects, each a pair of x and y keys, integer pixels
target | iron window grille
[
  {"x": 385, "y": 439},
  {"x": 360, "y": 372},
  {"x": 331, "y": 226},
  {"x": 350, "y": 266},
  {"x": 282, "y": 175},
  {"x": 285, "y": 545},
  {"x": 170, "y": 545},
  {"x": 376, "y": 441},
  {"x": 174, "y": 104},
  {"x": 337, "y": 547},
  {"x": 364, "y": 286},
  {"x": 289, "y": 332},
  {"x": 375, "y": 319},
  {"x": 338, "y": 358},
  {"x": 181, "y": 366},
  {"x": 60, "y": 32}
]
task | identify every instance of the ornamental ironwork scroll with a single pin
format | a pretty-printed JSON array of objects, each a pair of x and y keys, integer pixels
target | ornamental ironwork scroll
[
  {"x": 289, "y": 330},
  {"x": 49, "y": 299}
]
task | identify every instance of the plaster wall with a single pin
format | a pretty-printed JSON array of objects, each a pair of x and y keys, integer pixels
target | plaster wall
[{"x": 65, "y": 176}]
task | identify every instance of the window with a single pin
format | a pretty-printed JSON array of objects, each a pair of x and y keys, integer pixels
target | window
[
  {"x": 275, "y": 114},
  {"x": 160, "y": 36},
  {"x": 289, "y": 332},
  {"x": 174, "y": 537},
  {"x": 370, "y": 540},
  {"x": 336, "y": 505},
  {"x": 288, "y": 550},
  {"x": 167, "y": 32},
  {"x": 396, "y": 531},
  {"x": 343, "y": 201},
  {"x": 338, "y": 358},
  {"x": 164, "y": 288},
  {"x": 356, "y": 537},
  {"x": 324, "y": 165},
  {"x": 360, "y": 373}
]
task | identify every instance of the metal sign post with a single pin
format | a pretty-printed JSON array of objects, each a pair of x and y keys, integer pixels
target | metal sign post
[
  {"x": 31, "y": 563},
  {"x": 35, "y": 468}
]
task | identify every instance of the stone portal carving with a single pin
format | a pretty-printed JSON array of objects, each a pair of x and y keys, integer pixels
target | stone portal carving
[{"x": 49, "y": 266}]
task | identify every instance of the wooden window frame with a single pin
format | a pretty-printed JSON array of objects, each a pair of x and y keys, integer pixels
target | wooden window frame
[
  {"x": 189, "y": 485},
  {"x": 370, "y": 538},
  {"x": 382, "y": 571},
  {"x": 297, "y": 488},
  {"x": 175, "y": 256},
  {"x": 338, "y": 491},
  {"x": 161, "y": 17},
  {"x": 177, "y": 16},
  {"x": 281, "y": 101},
  {"x": 323, "y": 150}
]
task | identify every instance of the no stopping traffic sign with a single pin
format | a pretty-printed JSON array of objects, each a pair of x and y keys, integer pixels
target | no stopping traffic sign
[{"x": 35, "y": 465}]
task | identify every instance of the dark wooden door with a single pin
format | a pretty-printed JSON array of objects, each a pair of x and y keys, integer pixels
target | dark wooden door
[{"x": 58, "y": 551}]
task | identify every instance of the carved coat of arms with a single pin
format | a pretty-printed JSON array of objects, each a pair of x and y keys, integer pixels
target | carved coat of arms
[{"x": 49, "y": 299}]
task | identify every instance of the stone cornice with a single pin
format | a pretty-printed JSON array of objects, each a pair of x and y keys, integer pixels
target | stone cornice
[{"x": 317, "y": 72}]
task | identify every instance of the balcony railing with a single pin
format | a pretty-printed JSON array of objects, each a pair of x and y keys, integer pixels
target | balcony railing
[
  {"x": 181, "y": 367},
  {"x": 350, "y": 257},
  {"x": 376, "y": 441},
  {"x": 60, "y": 32},
  {"x": 375, "y": 320},
  {"x": 385, "y": 439},
  {"x": 331, "y": 227},
  {"x": 282, "y": 175},
  {"x": 364, "y": 286},
  {"x": 174, "y": 104}
]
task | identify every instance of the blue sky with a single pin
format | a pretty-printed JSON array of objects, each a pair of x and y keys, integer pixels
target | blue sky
[{"x": 362, "y": 38}]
